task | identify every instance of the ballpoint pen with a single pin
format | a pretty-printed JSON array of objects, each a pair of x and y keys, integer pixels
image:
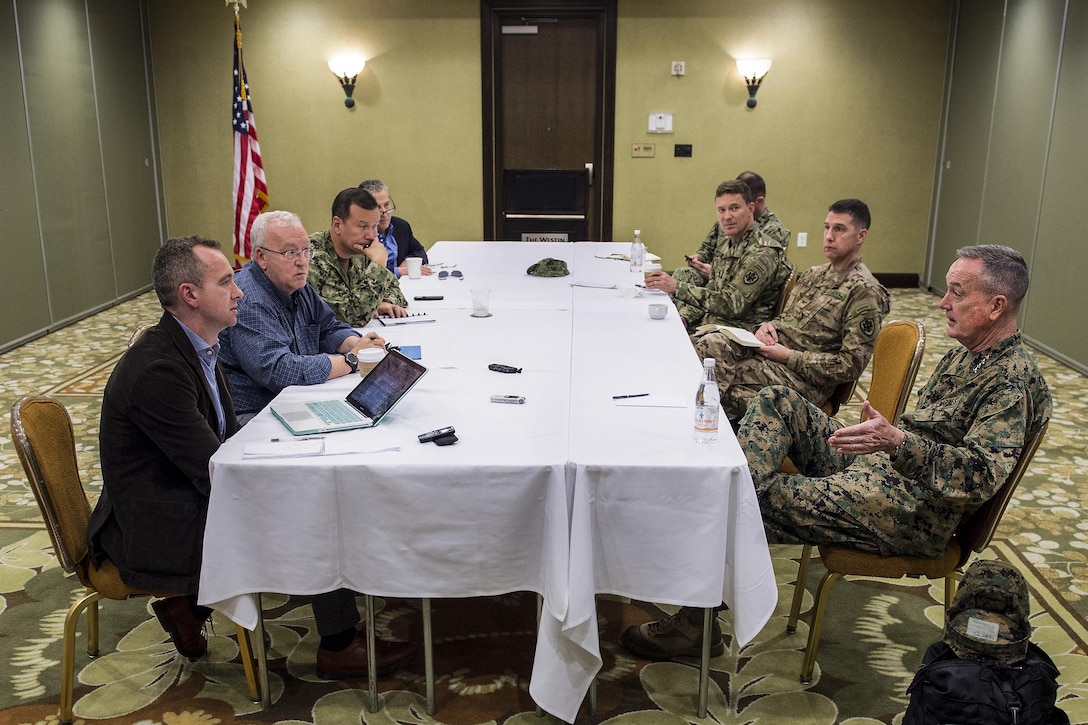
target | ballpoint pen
[
  {"x": 302, "y": 438},
  {"x": 624, "y": 397}
]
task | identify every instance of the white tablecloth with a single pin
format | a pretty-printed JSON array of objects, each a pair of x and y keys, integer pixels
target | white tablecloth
[{"x": 567, "y": 495}]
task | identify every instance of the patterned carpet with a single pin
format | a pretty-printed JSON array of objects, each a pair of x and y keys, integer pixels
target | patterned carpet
[{"x": 873, "y": 640}]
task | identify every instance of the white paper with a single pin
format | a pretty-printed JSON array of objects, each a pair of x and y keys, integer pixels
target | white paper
[
  {"x": 284, "y": 449},
  {"x": 653, "y": 401}
]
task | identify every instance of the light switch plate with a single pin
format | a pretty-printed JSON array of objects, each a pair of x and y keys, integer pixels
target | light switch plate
[{"x": 660, "y": 123}]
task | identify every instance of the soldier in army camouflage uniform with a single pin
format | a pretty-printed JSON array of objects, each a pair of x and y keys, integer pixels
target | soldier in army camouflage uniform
[
  {"x": 746, "y": 273},
  {"x": 766, "y": 220},
  {"x": 825, "y": 335},
  {"x": 888, "y": 489},
  {"x": 348, "y": 269}
]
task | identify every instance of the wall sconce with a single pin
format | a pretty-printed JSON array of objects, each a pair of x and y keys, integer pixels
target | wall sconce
[
  {"x": 753, "y": 72},
  {"x": 347, "y": 69}
]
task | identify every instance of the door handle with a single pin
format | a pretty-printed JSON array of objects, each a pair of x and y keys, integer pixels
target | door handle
[{"x": 589, "y": 170}]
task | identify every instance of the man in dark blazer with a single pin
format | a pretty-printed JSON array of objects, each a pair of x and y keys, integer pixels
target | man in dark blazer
[
  {"x": 395, "y": 233},
  {"x": 165, "y": 411}
]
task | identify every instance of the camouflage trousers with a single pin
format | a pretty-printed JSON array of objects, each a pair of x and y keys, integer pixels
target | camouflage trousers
[
  {"x": 836, "y": 499},
  {"x": 742, "y": 372}
]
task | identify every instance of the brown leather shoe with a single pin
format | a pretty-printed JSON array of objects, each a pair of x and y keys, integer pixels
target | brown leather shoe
[
  {"x": 351, "y": 662},
  {"x": 185, "y": 630}
]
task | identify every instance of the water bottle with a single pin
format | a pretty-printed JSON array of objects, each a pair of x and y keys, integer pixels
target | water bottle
[
  {"x": 638, "y": 253},
  {"x": 707, "y": 405}
]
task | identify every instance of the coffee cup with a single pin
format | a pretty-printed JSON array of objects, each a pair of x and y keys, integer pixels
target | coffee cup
[
  {"x": 415, "y": 267},
  {"x": 649, "y": 267},
  {"x": 658, "y": 311},
  {"x": 369, "y": 357}
]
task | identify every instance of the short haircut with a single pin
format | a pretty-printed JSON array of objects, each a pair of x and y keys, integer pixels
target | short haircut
[
  {"x": 755, "y": 183},
  {"x": 856, "y": 208},
  {"x": 258, "y": 232},
  {"x": 374, "y": 186},
  {"x": 349, "y": 197},
  {"x": 176, "y": 264},
  {"x": 1004, "y": 270},
  {"x": 735, "y": 186}
]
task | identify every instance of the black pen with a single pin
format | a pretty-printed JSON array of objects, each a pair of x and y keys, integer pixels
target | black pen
[
  {"x": 624, "y": 397},
  {"x": 302, "y": 438}
]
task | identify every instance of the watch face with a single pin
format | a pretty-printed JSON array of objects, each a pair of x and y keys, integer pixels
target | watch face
[{"x": 351, "y": 358}]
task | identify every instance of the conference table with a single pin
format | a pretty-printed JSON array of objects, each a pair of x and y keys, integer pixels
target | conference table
[{"x": 569, "y": 495}]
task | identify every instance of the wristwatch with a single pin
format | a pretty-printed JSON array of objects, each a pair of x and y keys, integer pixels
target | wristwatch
[{"x": 352, "y": 360}]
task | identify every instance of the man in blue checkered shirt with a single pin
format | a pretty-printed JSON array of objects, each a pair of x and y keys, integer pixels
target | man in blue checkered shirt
[{"x": 286, "y": 334}]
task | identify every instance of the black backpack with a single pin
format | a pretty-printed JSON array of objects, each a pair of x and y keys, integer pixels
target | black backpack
[{"x": 948, "y": 689}]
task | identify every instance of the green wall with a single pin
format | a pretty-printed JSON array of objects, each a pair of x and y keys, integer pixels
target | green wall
[
  {"x": 850, "y": 108},
  {"x": 78, "y": 203},
  {"x": 1014, "y": 155}
]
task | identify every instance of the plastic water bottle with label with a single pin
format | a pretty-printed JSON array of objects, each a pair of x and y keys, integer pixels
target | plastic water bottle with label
[
  {"x": 707, "y": 405},
  {"x": 637, "y": 253}
]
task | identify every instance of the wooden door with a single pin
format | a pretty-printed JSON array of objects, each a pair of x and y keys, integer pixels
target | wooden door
[{"x": 549, "y": 100}]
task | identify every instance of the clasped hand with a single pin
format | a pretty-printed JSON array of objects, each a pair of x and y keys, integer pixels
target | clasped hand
[{"x": 873, "y": 434}]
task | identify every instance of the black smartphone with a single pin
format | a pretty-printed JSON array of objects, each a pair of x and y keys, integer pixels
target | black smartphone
[{"x": 428, "y": 298}]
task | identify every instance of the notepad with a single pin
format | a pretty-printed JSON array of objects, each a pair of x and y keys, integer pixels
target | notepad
[
  {"x": 284, "y": 449},
  {"x": 740, "y": 336},
  {"x": 409, "y": 320}
]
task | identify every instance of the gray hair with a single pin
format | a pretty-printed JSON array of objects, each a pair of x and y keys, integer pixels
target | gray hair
[
  {"x": 374, "y": 186},
  {"x": 258, "y": 232},
  {"x": 1004, "y": 270}
]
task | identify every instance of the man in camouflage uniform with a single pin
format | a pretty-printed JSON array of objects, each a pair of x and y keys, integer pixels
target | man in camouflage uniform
[
  {"x": 746, "y": 273},
  {"x": 348, "y": 269},
  {"x": 887, "y": 489},
  {"x": 766, "y": 220},
  {"x": 825, "y": 335}
]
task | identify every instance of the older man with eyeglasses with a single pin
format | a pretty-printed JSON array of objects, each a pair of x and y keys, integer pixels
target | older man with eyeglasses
[
  {"x": 286, "y": 334},
  {"x": 395, "y": 233}
]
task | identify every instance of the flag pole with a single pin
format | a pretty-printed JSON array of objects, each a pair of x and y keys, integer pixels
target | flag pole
[{"x": 249, "y": 187}]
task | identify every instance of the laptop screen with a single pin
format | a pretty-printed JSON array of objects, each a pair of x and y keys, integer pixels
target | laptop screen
[{"x": 385, "y": 385}]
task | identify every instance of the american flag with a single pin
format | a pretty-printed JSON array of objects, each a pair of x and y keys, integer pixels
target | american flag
[{"x": 249, "y": 187}]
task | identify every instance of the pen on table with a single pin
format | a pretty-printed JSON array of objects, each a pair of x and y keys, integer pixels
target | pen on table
[
  {"x": 303, "y": 438},
  {"x": 624, "y": 397}
]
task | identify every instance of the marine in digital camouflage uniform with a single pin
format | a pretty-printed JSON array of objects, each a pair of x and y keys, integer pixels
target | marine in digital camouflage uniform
[
  {"x": 348, "y": 267},
  {"x": 904, "y": 490},
  {"x": 830, "y": 326}
]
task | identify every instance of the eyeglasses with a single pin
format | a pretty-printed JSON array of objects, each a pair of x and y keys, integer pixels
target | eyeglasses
[
  {"x": 387, "y": 212},
  {"x": 291, "y": 254},
  {"x": 455, "y": 273}
]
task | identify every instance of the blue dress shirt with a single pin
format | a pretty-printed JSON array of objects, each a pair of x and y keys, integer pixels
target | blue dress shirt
[{"x": 279, "y": 340}]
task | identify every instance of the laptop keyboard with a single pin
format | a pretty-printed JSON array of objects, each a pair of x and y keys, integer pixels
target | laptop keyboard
[{"x": 332, "y": 412}]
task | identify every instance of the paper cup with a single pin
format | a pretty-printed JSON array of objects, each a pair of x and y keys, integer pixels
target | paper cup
[
  {"x": 368, "y": 358},
  {"x": 415, "y": 267}
]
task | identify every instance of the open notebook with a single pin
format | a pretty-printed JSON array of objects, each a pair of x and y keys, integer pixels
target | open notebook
[{"x": 366, "y": 405}]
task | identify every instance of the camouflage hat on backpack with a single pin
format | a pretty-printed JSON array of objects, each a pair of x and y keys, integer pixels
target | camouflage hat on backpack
[
  {"x": 988, "y": 619},
  {"x": 549, "y": 267}
]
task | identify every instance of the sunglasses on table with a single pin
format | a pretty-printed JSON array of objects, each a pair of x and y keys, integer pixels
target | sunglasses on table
[{"x": 455, "y": 273}]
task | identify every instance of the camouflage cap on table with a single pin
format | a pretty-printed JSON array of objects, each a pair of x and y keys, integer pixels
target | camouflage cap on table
[{"x": 549, "y": 267}]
